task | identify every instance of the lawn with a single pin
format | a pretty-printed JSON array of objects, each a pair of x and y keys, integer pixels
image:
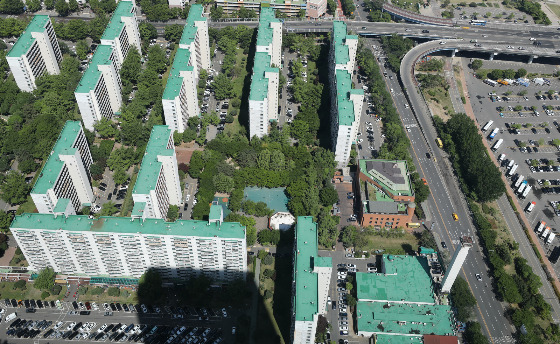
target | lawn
[
  {"x": 88, "y": 296},
  {"x": 402, "y": 245},
  {"x": 7, "y": 291},
  {"x": 18, "y": 259},
  {"x": 238, "y": 84},
  {"x": 555, "y": 8},
  {"x": 439, "y": 101}
]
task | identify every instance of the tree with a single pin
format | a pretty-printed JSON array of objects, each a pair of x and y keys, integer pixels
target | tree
[
  {"x": 73, "y": 5},
  {"x": 267, "y": 260},
  {"x": 427, "y": 240},
  {"x": 476, "y": 64},
  {"x": 20, "y": 284},
  {"x": 156, "y": 59},
  {"x": 14, "y": 188},
  {"x": 149, "y": 286},
  {"x": 462, "y": 299},
  {"x": 223, "y": 87},
  {"x": 5, "y": 221},
  {"x": 34, "y": 5},
  {"x": 147, "y": 31},
  {"x": 62, "y": 8},
  {"x": 223, "y": 183},
  {"x": 106, "y": 128},
  {"x": 351, "y": 300},
  {"x": 108, "y": 209},
  {"x": 172, "y": 213},
  {"x": 49, "y": 4},
  {"x": 11, "y": 6},
  {"x": 82, "y": 49},
  {"x": 131, "y": 67},
  {"x": 173, "y": 32},
  {"x": 521, "y": 72},
  {"x": 348, "y": 235},
  {"x": 331, "y": 6},
  {"x": 119, "y": 176},
  {"x": 473, "y": 334},
  {"x": 45, "y": 279},
  {"x": 328, "y": 196},
  {"x": 216, "y": 12}
]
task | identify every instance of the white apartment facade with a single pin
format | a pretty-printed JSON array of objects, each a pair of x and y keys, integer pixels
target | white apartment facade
[
  {"x": 35, "y": 53},
  {"x": 122, "y": 31},
  {"x": 347, "y": 102},
  {"x": 311, "y": 281},
  {"x": 157, "y": 185},
  {"x": 263, "y": 95},
  {"x": 125, "y": 247},
  {"x": 180, "y": 98},
  {"x": 64, "y": 182}
]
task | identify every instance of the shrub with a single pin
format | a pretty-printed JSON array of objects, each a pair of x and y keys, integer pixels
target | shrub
[
  {"x": 125, "y": 293},
  {"x": 114, "y": 291},
  {"x": 45, "y": 294},
  {"x": 56, "y": 289},
  {"x": 97, "y": 291},
  {"x": 267, "y": 260},
  {"x": 20, "y": 284},
  {"x": 82, "y": 290}
]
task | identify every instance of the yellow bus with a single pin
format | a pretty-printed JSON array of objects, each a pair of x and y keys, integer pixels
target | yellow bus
[
  {"x": 439, "y": 143},
  {"x": 413, "y": 225}
]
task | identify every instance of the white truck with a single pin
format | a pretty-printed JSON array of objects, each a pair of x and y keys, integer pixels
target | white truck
[
  {"x": 501, "y": 157},
  {"x": 540, "y": 228},
  {"x": 519, "y": 181},
  {"x": 544, "y": 234},
  {"x": 487, "y": 125},
  {"x": 511, "y": 163},
  {"x": 522, "y": 187},
  {"x": 512, "y": 170},
  {"x": 11, "y": 317},
  {"x": 497, "y": 145},
  {"x": 551, "y": 237},
  {"x": 530, "y": 207},
  {"x": 526, "y": 191}
]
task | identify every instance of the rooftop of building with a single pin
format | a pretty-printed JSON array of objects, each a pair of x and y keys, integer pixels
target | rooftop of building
[
  {"x": 392, "y": 175},
  {"x": 175, "y": 81},
  {"x": 259, "y": 82},
  {"x": 25, "y": 40},
  {"x": 382, "y": 207},
  {"x": 265, "y": 32},
  {"x": 124, "y": 8},
  {"x": 151, "y": 167},
  {"x": 53, "y": 166},
  {"x": 215, "y": 212},
  {"x": 127, "y": 225},
  {"x": 275, "y": 198},
  {"x": 89, "y": 80},
  {"x": 344, "y": 90},
  {"x": 306, "y": 297},
  {"x": 61, "y": 205},
  {"x": 266, "y": 2},
  {"x": 397, "y": 339},
  {"x": 138, "y": 209},
  {"x": 399, "y": 318},
  {"x": 340, "y": 35},
  {"x": 403, "y": 278},
  {"x": 435, "y": 339},
  {"x": 189, "y": 30}
]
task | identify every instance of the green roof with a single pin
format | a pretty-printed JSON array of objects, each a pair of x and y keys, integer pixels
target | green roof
[
  {"x": 380, "y": 170},
  {"x": 259, "y": 83},
  {"x": 341, "y": 52},
  {"x": 124, "y": 225},
  {"x": 138, "y": 209},
  {"x": 397, "y": 339},
  {"x": 275, "y": 198},
  {"x": 124, "y": 9},
  {"x": 306, "y": 298},
  {"x": 92, "y": 74},
  {"x": 344, "y": 90},
  {"x": 25, "y": 40},
  {"x": 426, "y": 250},
  {"x": 265, "y": 33},
  {"x": 61, "y": 205},
  {"x": 404, "y": 318},
  {"x": 175, "y": 81},
  {"x": 215, "y": 212},
  {"x": 150, "y": 168},
  {"x": 189, "y": 31},
  {"x": 405, "y": 278},
  {"x": 53, "y": 166}
]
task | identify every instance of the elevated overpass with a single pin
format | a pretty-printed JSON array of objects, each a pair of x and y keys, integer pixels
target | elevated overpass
[{"x": 414, "y": 17}]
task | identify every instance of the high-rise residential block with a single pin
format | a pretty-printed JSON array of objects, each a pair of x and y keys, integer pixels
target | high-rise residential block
[
  {"x": 35, "y": 53},
  {"x": 180, "y": 101},
  {"x": 312, "y": 276},
  {"x": 122, "y": 31},
  {"x": 263, "y": 95},
  {"x": 346, "y": 102},
  {"x": 316, "y": 8},
  {"x": 291, "y": 8},
  {"x": 99, "y": 92},
  {"x": 157, "y": 184},
  {"x": 127, "y": 247},
  {"x": 63, "y": 185}
]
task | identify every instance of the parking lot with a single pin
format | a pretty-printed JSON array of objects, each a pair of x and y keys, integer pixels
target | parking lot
[
  {"x": 115, "y": 322},
  {"x": 526, "y": 120}
]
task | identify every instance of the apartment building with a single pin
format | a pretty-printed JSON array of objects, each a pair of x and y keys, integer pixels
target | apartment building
[
  {"x": 122, "y": 31},
  {"x": 386, "y": 194},
  {"x": 310, "y": 289},
  {"x": 180, "y": 101},
  {"x": 177, "y": 3},
  {"x": 35, "y": 53},
  {"x": 63, "y": 185},
  {"x": 263, "y": 95},
  {"x": 291, "y": 8},
  {"x": 316, "y": 8},
  {"x": 157, "y": 184},
  {"x": 99, "y": 91},
  {"x": 346, "y": 102},
  {"x": 127, "y": 247}
]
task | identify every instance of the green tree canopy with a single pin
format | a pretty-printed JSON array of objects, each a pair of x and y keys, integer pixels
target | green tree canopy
[
  {"x": 172, "y": 213},
  {"x": 45, "y": 279},
  {"x": 223, "y": 87},
  {"x": 14, "y": 188}
]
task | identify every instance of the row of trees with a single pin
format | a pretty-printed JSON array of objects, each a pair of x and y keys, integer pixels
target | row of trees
[
  {"x": 396, "y": 47},
  {"x": 532, "y": 8}
]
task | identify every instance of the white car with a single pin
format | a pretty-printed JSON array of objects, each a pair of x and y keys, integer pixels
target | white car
[
  {"x": 224, "y": 313},
  {"x": 188, "y": 198},
  {"x": 194, "y": 202},
  {"x": 329, "y": 301},
  {"x": 342, "y": 310}
]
